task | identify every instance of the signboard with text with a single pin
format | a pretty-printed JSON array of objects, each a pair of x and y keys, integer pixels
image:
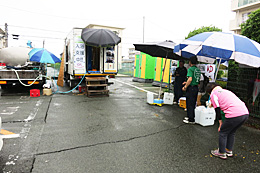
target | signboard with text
[
  {"x": 79, "y": 54},
  {"x": 209, "y": 70}
]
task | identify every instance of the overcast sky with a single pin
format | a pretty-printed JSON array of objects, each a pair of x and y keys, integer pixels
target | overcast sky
[{"x": 52, "y": 20}]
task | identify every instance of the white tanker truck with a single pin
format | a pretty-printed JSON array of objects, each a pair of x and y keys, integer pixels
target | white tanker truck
[{"x": 15, "y": 68}]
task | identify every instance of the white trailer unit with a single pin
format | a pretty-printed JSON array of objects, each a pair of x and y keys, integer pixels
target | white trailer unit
[{"x": 81, "y": 59}]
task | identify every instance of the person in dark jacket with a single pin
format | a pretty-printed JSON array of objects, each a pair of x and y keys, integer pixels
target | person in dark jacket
[{"x": 180, "y": 77}]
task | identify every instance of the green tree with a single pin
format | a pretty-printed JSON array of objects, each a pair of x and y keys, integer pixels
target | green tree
[
  {"x": 220, "y": 74},
  {"x": 203, "y": 29},
  {"x": 251, "y": 28}
]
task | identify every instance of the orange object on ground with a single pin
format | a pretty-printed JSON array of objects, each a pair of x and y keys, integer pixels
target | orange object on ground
[
  {"x": 6, "y": 132},
  {"x": 182, "y": 102}
]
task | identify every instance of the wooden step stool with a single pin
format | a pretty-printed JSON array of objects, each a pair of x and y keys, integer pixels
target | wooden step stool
[{"x": 96, "y": 86}]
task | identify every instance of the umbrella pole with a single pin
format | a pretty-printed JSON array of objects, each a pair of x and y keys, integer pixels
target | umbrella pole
[
  {"x": 162, "y": 77},
  {"x": 217, "y": 69}
]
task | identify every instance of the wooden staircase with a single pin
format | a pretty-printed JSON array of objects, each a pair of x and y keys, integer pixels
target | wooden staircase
[{"x": 96, "y": 86}]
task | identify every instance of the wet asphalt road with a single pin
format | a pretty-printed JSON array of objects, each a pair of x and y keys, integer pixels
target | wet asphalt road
[{"x": 119, "y": 133}]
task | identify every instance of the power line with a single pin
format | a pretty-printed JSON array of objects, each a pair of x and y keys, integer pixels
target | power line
[
  {"x": 70, "y": 18},
  {"x": 38, "y": 40},
  {"x": 35, "y": 12},
  {"x": 39, "y": 37},
  {"x": 131, "y": 37},
  {"x": 38, "y": 29}
]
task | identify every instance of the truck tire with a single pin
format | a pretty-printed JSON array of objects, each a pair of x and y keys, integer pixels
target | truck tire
[
  {"x": 71, "y": 84},
  {"x": 66, "y": 77}
]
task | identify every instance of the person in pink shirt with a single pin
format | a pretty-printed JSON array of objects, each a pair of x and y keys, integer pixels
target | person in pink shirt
[{"x": 236, "y": 113}]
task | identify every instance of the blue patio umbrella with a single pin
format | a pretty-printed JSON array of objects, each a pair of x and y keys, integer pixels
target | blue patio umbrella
[
  {"x": 43, "y": 56},
  {"x": 209, "y": 46}
]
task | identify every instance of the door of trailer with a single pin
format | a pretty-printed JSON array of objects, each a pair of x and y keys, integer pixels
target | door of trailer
[
  {"x": 110, "y": 59},
  {"x": 93, "y": 59}
]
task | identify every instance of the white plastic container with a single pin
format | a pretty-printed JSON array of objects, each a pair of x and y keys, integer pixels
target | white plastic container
[
  {"x": 150, "y": 97},
  {"x": 198, "y": 111},
  {"x": 168, "y": 98},
  {"x": 207, "y": 117}
]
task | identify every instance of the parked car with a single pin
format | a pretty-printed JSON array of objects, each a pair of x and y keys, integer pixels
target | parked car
[
  {"x": 222, "y": 79},
  {"x": 1, "y": 139}
]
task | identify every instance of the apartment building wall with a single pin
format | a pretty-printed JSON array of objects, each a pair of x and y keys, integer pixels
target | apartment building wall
[
  {"x": 241, "y": 80},
  {"x": 242, "y": 8},
  {"x": 131, "y": 53}
]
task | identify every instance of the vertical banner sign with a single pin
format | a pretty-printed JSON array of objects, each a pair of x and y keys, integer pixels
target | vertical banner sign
[
  {"x": 210, "y": 72},
  {"x": 79, "y": 54}
]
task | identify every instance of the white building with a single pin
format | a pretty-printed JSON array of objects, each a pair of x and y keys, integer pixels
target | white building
[
  {"x": 242, "y": 8},
  {"x": 131, "y": 53}
]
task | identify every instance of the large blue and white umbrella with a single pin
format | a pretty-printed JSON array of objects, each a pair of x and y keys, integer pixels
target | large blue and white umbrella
[
  {"x": 43, "y": 56},
  {"x": 209, "y": 46}
]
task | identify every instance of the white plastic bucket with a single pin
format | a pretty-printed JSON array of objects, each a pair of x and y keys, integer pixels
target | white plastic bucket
[
  {"x": 150, "y": 97},
  {"x": 198, "y": 111},
  {"x": 207, "y": 117},
  {"x": 168, "y": 98}
]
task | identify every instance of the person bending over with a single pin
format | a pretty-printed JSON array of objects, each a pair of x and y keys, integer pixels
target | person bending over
[{"x": 236, "y": 113}]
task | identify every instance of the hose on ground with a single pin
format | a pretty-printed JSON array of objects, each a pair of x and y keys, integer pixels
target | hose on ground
[
  {"x": 60, "y": 92},
  {"x": 71, "y": 89}
]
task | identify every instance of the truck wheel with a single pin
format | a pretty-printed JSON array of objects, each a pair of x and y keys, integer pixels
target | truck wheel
[
  {"x": 71, "y": 84},
  {"x": 66, "y": 77}
]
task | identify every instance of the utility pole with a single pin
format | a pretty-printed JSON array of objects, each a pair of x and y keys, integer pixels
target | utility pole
[
  {"x": 143, "y": 28},
  {"x": 6, "y": 35}
]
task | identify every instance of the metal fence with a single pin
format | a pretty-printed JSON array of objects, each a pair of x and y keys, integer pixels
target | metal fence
[
  {"x": 127, "y": 68},
  {"x": 241, "y": 82}
]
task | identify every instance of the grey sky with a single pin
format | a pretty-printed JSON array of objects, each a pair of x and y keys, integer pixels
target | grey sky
[{"x": 51, "y": 20}]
